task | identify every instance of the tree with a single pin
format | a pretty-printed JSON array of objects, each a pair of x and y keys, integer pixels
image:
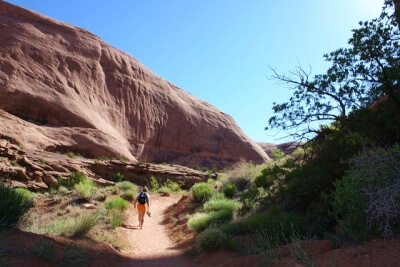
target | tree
[
  {"x": 396, "y": 4},
  {"x": 366, "y": 71}
]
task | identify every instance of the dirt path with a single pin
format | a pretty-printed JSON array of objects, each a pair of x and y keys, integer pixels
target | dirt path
[{"x": 151, "y": 246}]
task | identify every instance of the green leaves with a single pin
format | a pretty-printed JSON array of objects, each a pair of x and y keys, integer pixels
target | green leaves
[{"x": 358, "y": 76}]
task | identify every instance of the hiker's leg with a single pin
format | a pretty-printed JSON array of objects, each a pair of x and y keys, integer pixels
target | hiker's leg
[{"x": 141, "y": 218}]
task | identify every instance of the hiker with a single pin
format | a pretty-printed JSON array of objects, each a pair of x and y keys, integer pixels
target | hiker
[{"x": 143, "y": 205}]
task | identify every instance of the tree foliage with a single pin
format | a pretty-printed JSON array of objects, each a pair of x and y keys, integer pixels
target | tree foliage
[
  {"x": 359, "y": 75},
  {"x": 357, "y": 106}
]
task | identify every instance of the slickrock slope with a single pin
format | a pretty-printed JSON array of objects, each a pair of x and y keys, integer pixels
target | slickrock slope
[{"x": 64, "y": 89}]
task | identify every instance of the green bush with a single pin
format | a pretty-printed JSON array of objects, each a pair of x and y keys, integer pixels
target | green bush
[
  {"x": 85, "y": 189},
  {"x": 201, "y": 192},
  {"x": 174, "y": 186},
  {"x": 154, "y": 184},
  {"x": 116, "y": 219},
  {"x": 127, "y": 190},
  {"x": 77, "y": 226},
  {"x": 221, "y": 204},
  {"x": 201, "y": 221},
  {"x": 116, "y": 208},
  {"x": 83, "y": 224},
  {"x": 211, "y": 239},
  {"x": 277, "y": 154},
  {"x": 118, "y": 177},
  {"x": 25, "y": 192},
  {"x": 128, "y": 195},
  {"x": 248, "y": 199},
  {"x": 243, "y": 174},
  {"x": 111, "y": 189},
  {"x": 75, "y": 178},
  {"x": 230, "y": 190},
  {"x": 269, "y": 176},
  {"x": 282, "y": 223},
  {"x": 126, "y": 185},
  {"x": 117, "y": 203},
  {"x": 13, "y": 206}
]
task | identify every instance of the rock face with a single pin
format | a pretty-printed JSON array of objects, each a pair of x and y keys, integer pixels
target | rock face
[
  {"x": 64, "y": 89},
  {"x": 38, "y": 170}
]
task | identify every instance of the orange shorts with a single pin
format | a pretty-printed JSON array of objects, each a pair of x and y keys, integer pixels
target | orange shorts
[{"x": 141, "y": 207}]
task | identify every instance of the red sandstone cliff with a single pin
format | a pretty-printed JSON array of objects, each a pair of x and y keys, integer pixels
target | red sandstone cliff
[{"x": 64, "y": 89}]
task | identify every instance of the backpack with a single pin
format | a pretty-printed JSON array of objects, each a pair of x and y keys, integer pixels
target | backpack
[{"x": 142, "y": 198}]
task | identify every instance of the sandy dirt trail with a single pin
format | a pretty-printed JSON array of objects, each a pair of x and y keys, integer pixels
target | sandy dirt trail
[{"x": 150, "y": 246}]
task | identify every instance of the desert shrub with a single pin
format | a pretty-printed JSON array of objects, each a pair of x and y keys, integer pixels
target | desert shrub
[
  {"x": 83, "y": 224},
  {"x": 117, "y": 177},
  {"x": 126, "y": 185},
  {"x": 99, "y": 194},
  {"x": 248, "y": 199},
  {"x": 127, "y": 190},
  {"x": 243, "y": 174},
  {"x": 277, "y": 154},
  {"x": 85, "y": 189},
  {"x": 77, "y": 226},
  {"x": 116, "y": 220},
  {"x": 367, "y": 199},
  {"x": 117, "y": 203},
  {"x": 265, "y": 243},
  {"x": 221, "y": 204},
  {"x": 218, "y": 195},
  {"x": 111, "y": 189},
  {"x": 230, "y": 190},
  {"x": 128, "y": 195},
  {"x": 26, "y": 193},
  {"x": 282, "y": 223},
  {"x": 75, "y": 178},
  {"x": 166, "y": 191},
  {"x": 200, "y": 221},
  {"x": 116, "y": 208},
  {"x": 154, "y": 184},
  {"x": 269, "y": 176},
  {"x": 13, "y": 206},
  {"x": 174, "y": 186},
  {"x": 211, "y": 239},
  {"x": 201, "y": 192}
]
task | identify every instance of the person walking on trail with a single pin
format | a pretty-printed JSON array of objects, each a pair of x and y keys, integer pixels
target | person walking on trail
[{"x": 142, "y": 202}]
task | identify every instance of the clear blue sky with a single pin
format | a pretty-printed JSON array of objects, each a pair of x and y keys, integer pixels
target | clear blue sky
[{"x": 220, "y": 50}]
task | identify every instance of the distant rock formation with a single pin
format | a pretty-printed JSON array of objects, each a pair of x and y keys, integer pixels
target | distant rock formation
[
  {"x": 64, "y": 89},
  {"x": 287, "y": 148}
]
